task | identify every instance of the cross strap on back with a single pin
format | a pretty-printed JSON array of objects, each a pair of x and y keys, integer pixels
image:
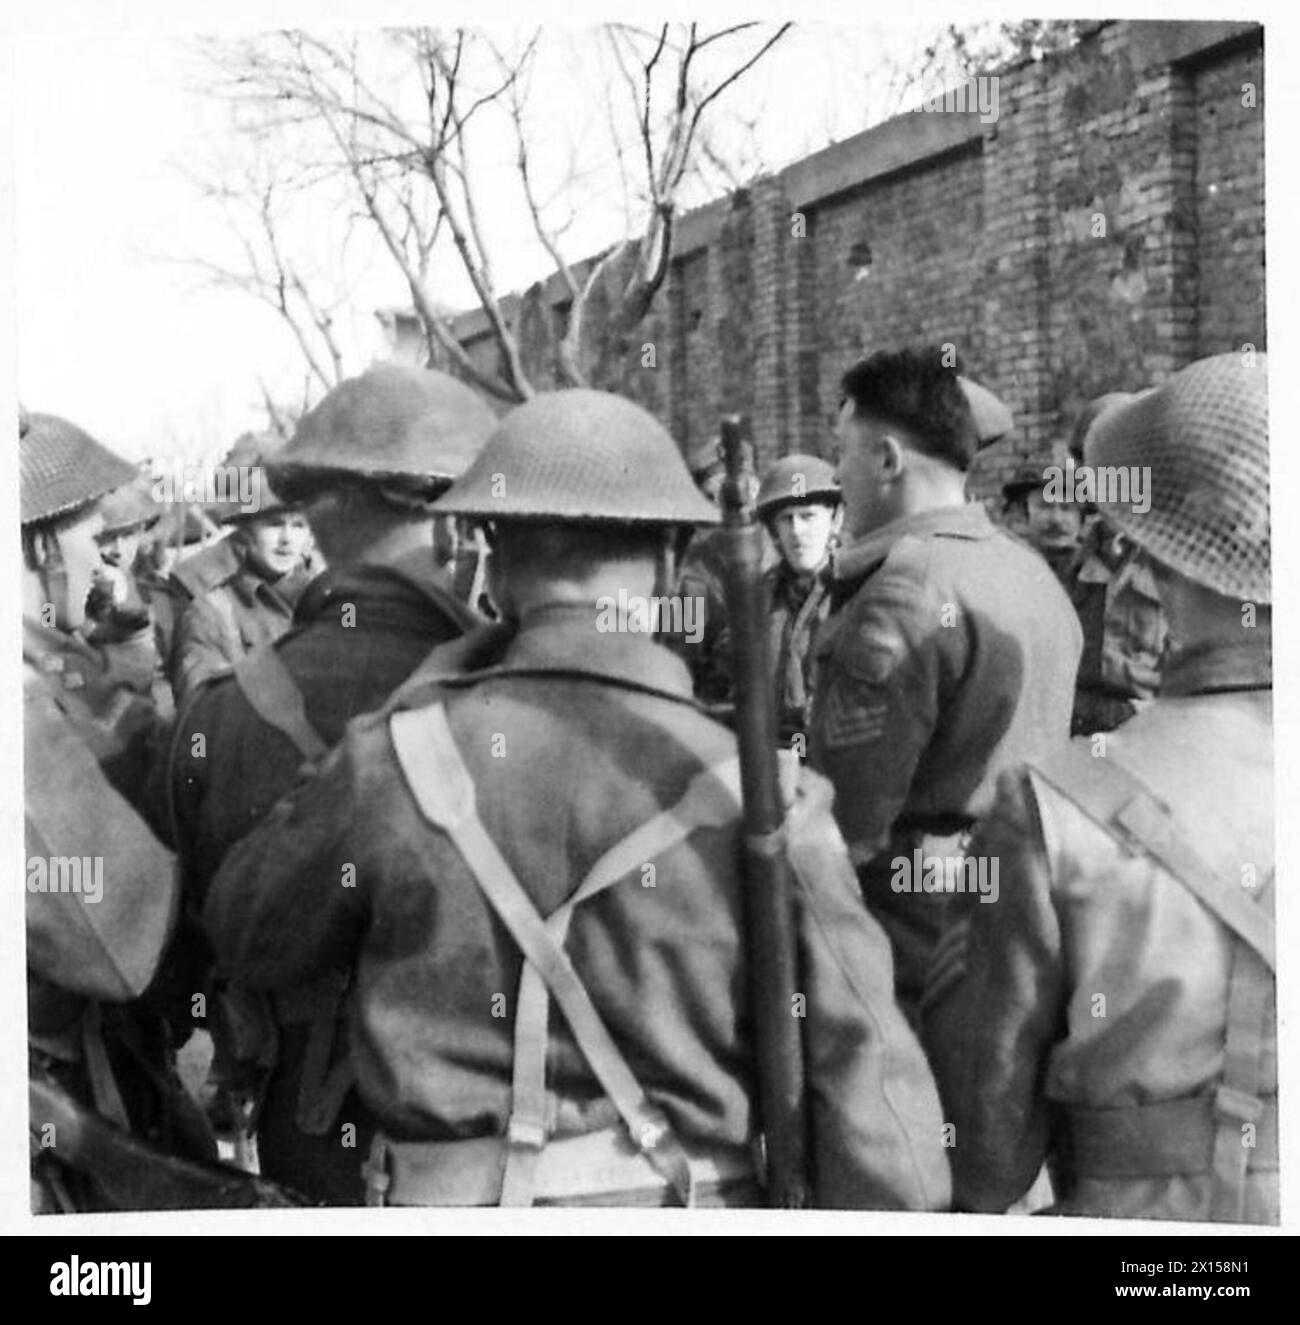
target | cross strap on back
[{"x": 444, "y": 790}]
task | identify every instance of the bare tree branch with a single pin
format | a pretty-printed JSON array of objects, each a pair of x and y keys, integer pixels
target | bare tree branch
[{"x": 396, "y": 120}]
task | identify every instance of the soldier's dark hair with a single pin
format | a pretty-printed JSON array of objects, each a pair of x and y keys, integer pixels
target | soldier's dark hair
[
  {"x": 572, "y": 549},
  {"x": 346, "y": 513},
  {"x": 915, "y": 390}
]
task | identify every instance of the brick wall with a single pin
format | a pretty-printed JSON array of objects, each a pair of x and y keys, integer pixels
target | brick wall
[
  {"x": 1225, "y": 226},
  {"x": 1105, "y": 229},
  {"x": 921, "y": 231}
]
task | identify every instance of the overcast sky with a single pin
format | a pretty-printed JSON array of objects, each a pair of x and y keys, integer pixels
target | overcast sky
[{"x": 116, "y": 331}]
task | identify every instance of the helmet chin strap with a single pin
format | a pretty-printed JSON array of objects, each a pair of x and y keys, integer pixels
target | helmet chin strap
[{"x": 54, "y": 580}]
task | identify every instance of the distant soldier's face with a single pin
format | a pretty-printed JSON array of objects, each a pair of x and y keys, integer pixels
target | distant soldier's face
[
  {"x": 804, "y": 533},
  {"x": 1052, "y": 524},
  {"x": 120, "y": 548},
  {"x": 279, "y": 540}
]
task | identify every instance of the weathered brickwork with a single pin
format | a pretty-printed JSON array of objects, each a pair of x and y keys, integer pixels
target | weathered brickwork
[
  {"x": 1227, "y": 226},
  {"x": 1104, "y": 230},
  {"x": 920, "y": 232}
]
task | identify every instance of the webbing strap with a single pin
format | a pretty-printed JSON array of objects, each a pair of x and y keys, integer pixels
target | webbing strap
[
  {"x": 1165, "y": 1139},
  {"x": 1127, "y": 809},
  {"x": 1237, "y": 1101},
  {"x": 274, "y": 696},
  {"x": 444, "y": 790},
  {"x": 1132, "y": 814},
  {"x": 322, "y": 1087},
  {"x": 103, "y": 1084},
  {"x": 712, "y": 799}
]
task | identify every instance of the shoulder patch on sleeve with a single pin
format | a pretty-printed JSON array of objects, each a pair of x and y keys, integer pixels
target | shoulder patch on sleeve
[
  {"x": 854, "y": 715},
  {"x": 871, "y": 650}
]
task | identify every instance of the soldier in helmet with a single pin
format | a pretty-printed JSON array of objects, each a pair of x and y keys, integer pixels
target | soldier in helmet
[
  {"x": 567, "y": 773},
  {"x": 108, "y": 696},
  {"x": 121, "y": 606},
  {"x": 1116, "y": 1012},
  {"x": 364, "y": 467},
  {"x": 245, "y": 587},
  {"x": 101, "y": 896},
  {"x": 1113, "y": 589},
  {"x": 801, "y": 504}
]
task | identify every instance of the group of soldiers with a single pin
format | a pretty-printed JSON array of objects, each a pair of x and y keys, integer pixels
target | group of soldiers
[{"x": 383, "y": 832}]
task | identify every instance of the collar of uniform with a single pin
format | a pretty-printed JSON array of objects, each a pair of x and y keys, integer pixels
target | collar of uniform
[
  {"x": 250, "y": 588},
  {"x": 565, "y": 637},
  {"x": 969, "y": 520},
  {"x": 791, "y": 588},
  {"x": 412, "y": 579},
  {"x": 1219, "y": 666}
]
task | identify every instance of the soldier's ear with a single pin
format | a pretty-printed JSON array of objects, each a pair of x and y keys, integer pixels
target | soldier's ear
[
  {"x": 41, "y": 548},
  {"x": 34, "y": 552},
  {"x": 891, "y": 456}
]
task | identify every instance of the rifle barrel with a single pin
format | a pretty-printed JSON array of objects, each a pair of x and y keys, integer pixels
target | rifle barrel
[{"x": 769, "y": 882}]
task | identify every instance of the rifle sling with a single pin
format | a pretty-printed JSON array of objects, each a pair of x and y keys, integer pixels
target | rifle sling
[{"x": 273, "y": 694}]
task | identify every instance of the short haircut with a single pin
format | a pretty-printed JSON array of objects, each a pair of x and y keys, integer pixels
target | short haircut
[
  {"x": 347, "y": 512},
  {"x": 915, "y": 390},
  {"x": 550, "y": 549}
]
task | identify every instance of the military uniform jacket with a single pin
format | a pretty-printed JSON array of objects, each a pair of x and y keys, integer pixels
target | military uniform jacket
[
  {"x": 703, "y": 577},
  {"x": 952, "y": 657},
  {"x": 78, "y": 948},
  {"x": 105, "y": 697},
  {"x": 573, "y": 741},
  {"x": 227, "y": 621},
  {"x": 102, "y": 943},
  {"x": 1099, "y": 983},
  {"x": 799, "y": 606},
  {"x": 1124, "y": 629},
  {"x": 358, "y": 633}
]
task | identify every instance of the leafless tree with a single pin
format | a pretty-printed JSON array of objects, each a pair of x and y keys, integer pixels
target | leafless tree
[
  {"x": 253, "y": 195},
  {"x": 398, "y": 118}
]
